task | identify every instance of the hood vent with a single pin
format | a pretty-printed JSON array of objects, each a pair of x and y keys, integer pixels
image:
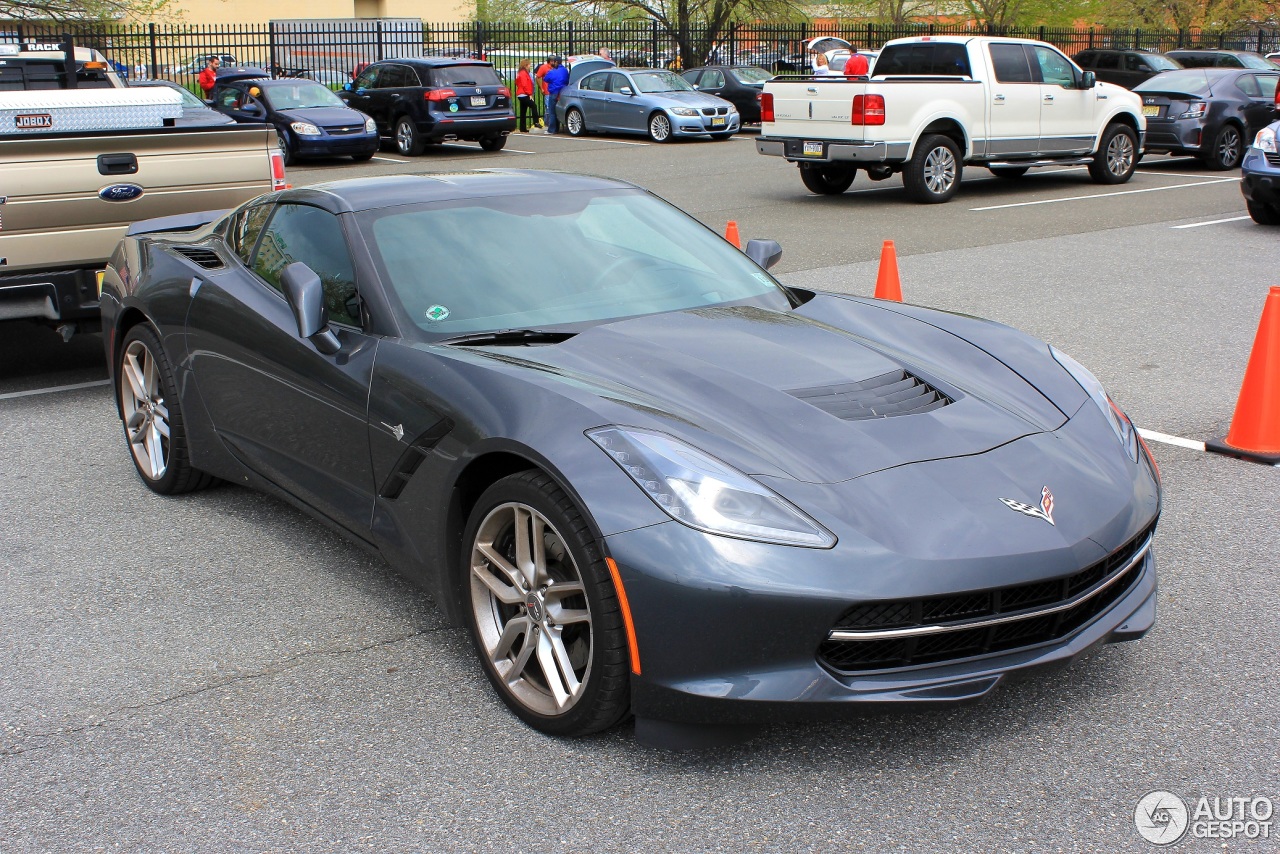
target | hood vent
[
  {"x": 206, "y": 258},
  {"x": 894, "y": 393}
]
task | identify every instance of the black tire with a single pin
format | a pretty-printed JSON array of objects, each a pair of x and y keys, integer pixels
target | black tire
[
  {"x": 595, "y": 649},
  {"x": 827, "y": 179},
  {"x": 1263, "y": 214},
  {"x": 575, "y": 124},
  {"x": 362, "y": 158},
  {"x": 147, "y": 395},
  {"x": 493, "y": 143},
  {"x": 1227, "y": 151},
  {"x": 408, "y": 141},
  {"x": 1117, "y": 155},
  {"x": 1008, "y": 171},
  {"x": 723, "y": 136},
  {"x": 659, "y": 127},
  {"x": 932, "y": 175},
  {"x": 286, "y": 150}
]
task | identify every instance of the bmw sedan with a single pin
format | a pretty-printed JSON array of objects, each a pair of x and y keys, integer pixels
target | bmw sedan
[
  {"x": 647, "y": 477},
  {"x": 659, "y": 103},
  {"x": 1210, "y": 113}
]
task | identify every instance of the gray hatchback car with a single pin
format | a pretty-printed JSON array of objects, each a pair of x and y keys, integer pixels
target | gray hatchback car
[{"x": 659, "y": 103}]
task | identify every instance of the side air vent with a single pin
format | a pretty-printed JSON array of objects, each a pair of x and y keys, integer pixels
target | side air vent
[
  {"x": 206, "y": 258},
  {"x": 412, "y": 457},
  {"x": 894, "y": 393}
]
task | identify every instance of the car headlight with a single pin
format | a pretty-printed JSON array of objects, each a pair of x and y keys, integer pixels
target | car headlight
[
  {"x": 1120, "y": 423},
  {"x": 305, "y": 129},
  {"x": 370, "y": 126},
  {"x": 683, "y": 111},
  {"x": 1265, "y": 141},
  {"x": 698, "y": 490},
  {"x": 1195, "y": 110}
]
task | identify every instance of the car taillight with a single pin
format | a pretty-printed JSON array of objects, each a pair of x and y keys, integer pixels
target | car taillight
[
  {"x": 504, "y": 92},
  {"x": 867, "y": 110},
  {"x": 766, "y": 106},
  {"x": 440, "y": 95},
  {"x": 277, "y": 171}
]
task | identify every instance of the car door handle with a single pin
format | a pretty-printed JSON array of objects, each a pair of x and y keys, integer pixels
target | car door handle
[
  {"x": 999, "y": 99},
  {"x": 1048, "y": 99}
]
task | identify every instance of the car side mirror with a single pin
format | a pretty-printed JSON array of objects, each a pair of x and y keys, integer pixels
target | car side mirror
[
  {"x": 1088, "y": 80},
  {"x": 626, "y": 90},
  {"x": 305, "y": 292},
  {"x": 766, "y": 253}
]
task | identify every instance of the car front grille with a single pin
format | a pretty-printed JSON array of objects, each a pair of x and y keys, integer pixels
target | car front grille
[
  {"x": 1273, "y": 158},
  {"x": 903, "y": 633},
  {"x": 715, "y": 111},
  {"x": 894, "y": 393},
  {"x": 345, "y": 130}
]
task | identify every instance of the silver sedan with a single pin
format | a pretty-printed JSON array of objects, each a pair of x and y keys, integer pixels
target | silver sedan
[{"x": 659, "y": 103}]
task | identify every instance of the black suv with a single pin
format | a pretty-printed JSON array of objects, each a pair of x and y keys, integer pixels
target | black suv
[
  {"x": 1125, "y": 67},
  {"x": 428, "y": 100},
  {"x": 1221, "y": 59}
]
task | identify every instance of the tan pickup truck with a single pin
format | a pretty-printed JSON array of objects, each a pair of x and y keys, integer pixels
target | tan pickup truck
[{"x": 78, "y": 166}]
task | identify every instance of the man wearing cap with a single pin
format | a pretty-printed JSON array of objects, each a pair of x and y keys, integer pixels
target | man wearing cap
[{"x": 556, "y": 78}]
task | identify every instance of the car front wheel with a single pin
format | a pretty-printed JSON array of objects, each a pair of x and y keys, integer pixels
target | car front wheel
[
  {"x": 659, "y": 127},
  {"x": 1227, "y": 151},
  {"x": 1117, "y": 156},
  {"x": 933, "y": 174},
  {"x": 408, "y": 141},
  {"x": 542, "y": 609},
  {"x": 286, "y": 151},
  {"x": 1264, "y": 214}
]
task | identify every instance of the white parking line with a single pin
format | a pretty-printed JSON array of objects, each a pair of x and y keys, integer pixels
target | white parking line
[
  {"x": 1105, "y": 195},
  {"x": 1174, "y": 174},
  {"x": 390, "y": 159},
  {"x": 564, "y": 138},
  {"x": 12, "y": 394},
  {"x": 1153, "y": 436},
  {"x": 1210, "y": 222}
]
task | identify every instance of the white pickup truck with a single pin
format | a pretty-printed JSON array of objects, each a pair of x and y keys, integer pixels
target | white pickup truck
[{"x": 936, "y": 103}]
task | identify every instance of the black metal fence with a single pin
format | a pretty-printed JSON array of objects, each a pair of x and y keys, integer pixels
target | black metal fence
[{"x": 339, "y": 47}]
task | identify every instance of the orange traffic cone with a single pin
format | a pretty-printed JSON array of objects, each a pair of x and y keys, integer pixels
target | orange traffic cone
[
  {"x": 887, "y": 284},
  {"x": 1255, "y": 427},
  {"x": 731, "y": 233}
]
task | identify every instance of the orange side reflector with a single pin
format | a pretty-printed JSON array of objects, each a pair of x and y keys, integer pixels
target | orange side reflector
[{"x": 626, "y": 615}]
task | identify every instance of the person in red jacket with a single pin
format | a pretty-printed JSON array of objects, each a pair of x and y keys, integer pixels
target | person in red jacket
[
  {"x": 524, "y": 96},
  {"x": 857, "y": 66},
  {"x": 209, "y": 76}
]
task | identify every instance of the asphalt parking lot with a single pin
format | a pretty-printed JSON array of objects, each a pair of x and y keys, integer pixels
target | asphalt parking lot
[{"x": 217, "y": 672}]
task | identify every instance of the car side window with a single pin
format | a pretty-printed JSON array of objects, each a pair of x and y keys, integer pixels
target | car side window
[
  {"x": 368, "y": 79},
  {"x": 1085, "y": 59},
  {"x": 1054, "y": 67},
  {"x": 227, "y": 96},
  {"x": 313, "y": 236},
  {"x": 1267, "y": 85},
  {"x": 1248, "y": 84},
  {"x": 692, "y": 77},
  {"x": 595, "y": 83},
  {"x": 1110, "y": 60},
  {"x": 712, "y": 79},
  {"x": 1229, "y": 61},
  {"x": 618, "y": 82},
  {"x": 245, "y": 229},
  {"x": 1010, "y": 63}
]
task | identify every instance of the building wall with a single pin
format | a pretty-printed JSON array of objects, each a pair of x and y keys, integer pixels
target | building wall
[{"x": 256, "y": 12}]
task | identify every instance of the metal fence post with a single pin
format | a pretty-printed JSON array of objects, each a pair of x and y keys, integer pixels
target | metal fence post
[
  {"x": 155, "y": 51},
  {"x": 571, "y": 50},
  {"x": 653, "y": 39},
  {"x": 379, "y": 50}
]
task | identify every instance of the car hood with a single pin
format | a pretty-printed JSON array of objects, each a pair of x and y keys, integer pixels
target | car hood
[
  {"x": 692, "y": 99},
  {"x": 776, "y": 393},
  {"x": 323, "y": 116}
]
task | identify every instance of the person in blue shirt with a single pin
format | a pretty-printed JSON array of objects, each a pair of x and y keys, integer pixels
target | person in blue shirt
[{"x": 556, "y": 79}]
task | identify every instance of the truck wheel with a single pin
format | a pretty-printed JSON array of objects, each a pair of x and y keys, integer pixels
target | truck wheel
[
  {"x": 1227, "y": 150},
  {"x": 1264, "y": 214},
  {"x": 827, "y": 179},
  {"x": 1008, "y": 171},
  {"x": 408, "y": 140},
  {"x": 933, "y": 174},
  {"x": 1117, "y": 156}
]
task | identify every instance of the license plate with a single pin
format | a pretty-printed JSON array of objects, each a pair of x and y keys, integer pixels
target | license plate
[
  {"x": 812, "y": 149},
  {"x": 478, "y": 100},
  {"x": 718, "y": 121},
  {"x": 33, "y": 121},
  {"x": 1150, "y": 110}
]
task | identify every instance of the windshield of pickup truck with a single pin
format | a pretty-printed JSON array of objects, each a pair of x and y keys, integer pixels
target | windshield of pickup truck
[
  {"x": 660, "y": 81},
  {"x": 298, "y": 96}
]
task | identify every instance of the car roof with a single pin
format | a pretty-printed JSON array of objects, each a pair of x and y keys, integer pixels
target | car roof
[
  {"x": 434, "y": 61},
  {"x": 362, "y": 194}
]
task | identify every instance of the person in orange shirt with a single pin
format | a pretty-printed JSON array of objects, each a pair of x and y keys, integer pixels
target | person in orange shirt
[{"x": 209, "y": 76}]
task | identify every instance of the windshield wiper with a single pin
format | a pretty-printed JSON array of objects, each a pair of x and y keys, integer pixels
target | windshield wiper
[{"x": 511, "y": 336}]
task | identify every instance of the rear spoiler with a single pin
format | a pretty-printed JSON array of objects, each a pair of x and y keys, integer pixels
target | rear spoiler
[{"x": 180, "y": 222}]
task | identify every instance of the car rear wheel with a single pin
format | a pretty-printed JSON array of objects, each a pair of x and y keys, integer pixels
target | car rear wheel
[
  {"x": 1227, "y": 151},
  {"x": 493, "y": 143},
  {"x": 1117, "y": 156},
  {"x": 542, "y": 608},
  {"x": 408, "y": 140},
  {"x": 1264, "y": 214},
  {"x": 1009, "y": 171},
  {"x": 932, "y": 175},
  {"x": 659, "y": 127},
  {"x": 153, "y": 423},
  {"x": 827, "y": 179},
  {"x": 574, "y": 123}
]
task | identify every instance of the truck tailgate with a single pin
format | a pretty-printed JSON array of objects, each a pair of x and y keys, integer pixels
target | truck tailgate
[
  {"x": 816, "y": 109},
  {"x": 56, "y": 215}
]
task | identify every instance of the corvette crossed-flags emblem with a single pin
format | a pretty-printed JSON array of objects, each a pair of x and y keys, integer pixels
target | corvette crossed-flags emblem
[{"x": 1044, "y": 511}]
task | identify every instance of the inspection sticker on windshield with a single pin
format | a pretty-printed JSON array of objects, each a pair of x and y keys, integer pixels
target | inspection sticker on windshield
[
  {"x": 436, "y": 313},
  {"x": 812, "y": 149}
]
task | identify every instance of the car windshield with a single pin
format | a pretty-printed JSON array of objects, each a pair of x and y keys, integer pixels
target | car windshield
[
  {"x": 1162, "y": 63},
  {"x": 526, "y": 261},
  {"x": 297, "y": 96},
  {"x": 750, "y": 74},
  {"x": 660, "y": 81},
  {"x": 1188, "y": 81}
]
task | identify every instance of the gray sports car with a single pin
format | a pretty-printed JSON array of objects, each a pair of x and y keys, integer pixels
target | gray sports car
[
  {"x": 649, "y": 479},
  {"x": 659, "y": 103}
]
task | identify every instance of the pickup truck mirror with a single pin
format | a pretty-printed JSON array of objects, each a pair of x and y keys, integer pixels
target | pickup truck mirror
[
  {"x": 766, "y": 253},
  {"x": 1088, "y": 80},
  {"x": 626, "y": 90},
  {"x": 305, "y": 292}
]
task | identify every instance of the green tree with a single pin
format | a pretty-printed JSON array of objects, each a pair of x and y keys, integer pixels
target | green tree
[{"x": 81, "y": 11}]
